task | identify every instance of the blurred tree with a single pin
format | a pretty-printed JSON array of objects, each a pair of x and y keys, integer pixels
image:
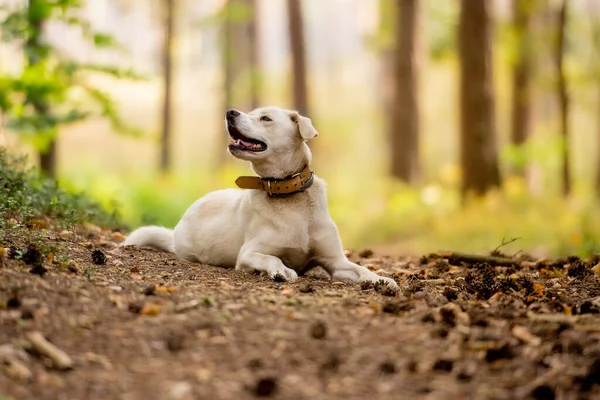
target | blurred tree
[
  {"x": 598, "y": 152},
  {"x": 383, "y": 42},
  {"x": 240, "y": 53},
  {"x": 34, "y": 51},
  {"x": 167, "y": 64},
  {"x": 240, "y": 60},
  {"x": 596, "y": 74},
  {"x": 295, "y": 21},
  {"x": 46, "y": 94},
  {"x": 479, "y": 158},
  {"x": 255, "y": 51},
  {"x": 521, "y": 73},
  {"x": 228, "y": 54},
  {"x": 563, "y": 95},
  {"x": 404, "y": 117}
]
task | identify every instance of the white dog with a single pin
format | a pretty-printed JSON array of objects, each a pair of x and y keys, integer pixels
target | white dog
[{"x": 280, "y": 224}]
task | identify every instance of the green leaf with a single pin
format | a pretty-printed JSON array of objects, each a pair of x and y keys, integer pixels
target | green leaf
[
  {"x": 103, "y": 40},
  {"x": 43, "y": 96}
]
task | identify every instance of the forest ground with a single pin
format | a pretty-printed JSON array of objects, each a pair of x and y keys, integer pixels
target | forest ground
[{"x": 140, "y": 324}]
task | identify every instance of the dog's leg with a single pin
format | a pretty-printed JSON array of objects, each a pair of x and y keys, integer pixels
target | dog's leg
[
  {"x": 272, "y": 266},
  {"x": 329, "y": 253}
]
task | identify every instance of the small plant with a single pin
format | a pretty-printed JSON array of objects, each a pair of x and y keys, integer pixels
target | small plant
[
  {"x": 25, "y": 196},
  {"x": 89, "y": 272}
]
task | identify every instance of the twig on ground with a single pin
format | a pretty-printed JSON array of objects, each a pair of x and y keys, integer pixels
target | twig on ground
[
  {"x": 188, "y": 305},
  {"x": 455, "y": 257},
  {"x": 11, "y": 361},
  {"x": 59, "y": 358},
  {"x": 559, "y": 318}
]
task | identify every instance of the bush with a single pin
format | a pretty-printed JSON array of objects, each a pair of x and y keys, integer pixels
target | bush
[{"x": 25, "y": 195}]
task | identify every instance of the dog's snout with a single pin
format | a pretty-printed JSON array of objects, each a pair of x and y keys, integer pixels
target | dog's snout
[{"x": 232, "y": 113}]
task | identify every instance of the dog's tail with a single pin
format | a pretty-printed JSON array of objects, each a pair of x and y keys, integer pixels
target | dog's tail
[{"x": 153, "y": 236}]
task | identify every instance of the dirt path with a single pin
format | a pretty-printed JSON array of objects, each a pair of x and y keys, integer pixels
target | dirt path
[{"x": 143, "y": 325}]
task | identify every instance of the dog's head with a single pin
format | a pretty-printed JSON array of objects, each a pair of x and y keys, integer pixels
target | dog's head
[{"x": 273, "y": 139}]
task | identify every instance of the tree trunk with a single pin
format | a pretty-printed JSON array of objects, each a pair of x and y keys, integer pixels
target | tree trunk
[
  {"x": 228, "y": 64},
  {"x": 479, "y": 158},
  {"x": 521, "y": 92},
  {"x": 598, "y": 150},
  {"x": 48, "y": 158},
  {"x": 254, "y": 45},
  {"x": 298, "y": 56},
  {"x": 167, "y": 64},
  {"x": 596, "y": 42},
  {"x": 229, "y": 68},
  {"x": 563, "y": 97},
  {"x": 404, "y": 129}
]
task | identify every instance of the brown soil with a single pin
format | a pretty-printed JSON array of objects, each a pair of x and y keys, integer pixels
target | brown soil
[{"x": 140, "y": 324}]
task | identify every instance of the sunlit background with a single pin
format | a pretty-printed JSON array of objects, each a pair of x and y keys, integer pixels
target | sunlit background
[{"x": 238, "y": 53}]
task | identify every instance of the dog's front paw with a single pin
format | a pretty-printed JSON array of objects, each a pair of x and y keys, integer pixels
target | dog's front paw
[
  {"x": 387, "y": 281},
  {"x": 283, "y": 275},
  {"x": 373, "y": 277}
]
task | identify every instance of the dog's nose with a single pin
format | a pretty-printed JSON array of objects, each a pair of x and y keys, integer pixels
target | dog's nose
[{"x": 232, "y": 113}]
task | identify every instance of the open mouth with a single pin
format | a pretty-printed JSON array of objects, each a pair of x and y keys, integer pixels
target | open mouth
[{"x": 242, "y": 142}]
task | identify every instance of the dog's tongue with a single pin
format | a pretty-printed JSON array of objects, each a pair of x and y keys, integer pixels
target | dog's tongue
[{"x": 247, "y": 144}]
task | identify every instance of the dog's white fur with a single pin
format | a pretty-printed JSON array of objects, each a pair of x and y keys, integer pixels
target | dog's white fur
[{"x": 252, "y": 231}]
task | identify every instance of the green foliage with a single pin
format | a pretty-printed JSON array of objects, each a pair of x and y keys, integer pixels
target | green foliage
[
  {"x": 235, "y": 12},
  {"x": 25, "y": 195},
  {"x": 52, "y": 90},
  {"x": 442, "y": 28},
  {"x": 384, "y": 39},
  {"x": 440, "y": 25}
]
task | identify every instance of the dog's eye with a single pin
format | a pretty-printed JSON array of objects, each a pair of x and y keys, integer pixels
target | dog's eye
[{"x": 265, "y": 118}]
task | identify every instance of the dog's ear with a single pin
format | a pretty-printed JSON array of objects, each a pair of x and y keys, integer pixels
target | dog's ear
[{"x": 305, "y": 126}]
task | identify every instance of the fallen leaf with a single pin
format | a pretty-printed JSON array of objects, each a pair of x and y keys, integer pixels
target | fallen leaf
[
  {"x": 225, "y": 286},
  {"x": 37, "y": 224},
  {"x": 118, "y": 301},
  {"x": 496, "y": 297},
  {"x": 530, "y": 299},
  {"x": 539, "y": 289},
  {"x": 455, "y": 270},
  {"x": 92, "y": 228},
  {"x": 117, "y": 235},
  {"x": 165, "y": 289},
  {"x": 150, "y": 309}
]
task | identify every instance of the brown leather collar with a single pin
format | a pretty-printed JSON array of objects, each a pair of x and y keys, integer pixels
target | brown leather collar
[{"x": 277, "y": 187}]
